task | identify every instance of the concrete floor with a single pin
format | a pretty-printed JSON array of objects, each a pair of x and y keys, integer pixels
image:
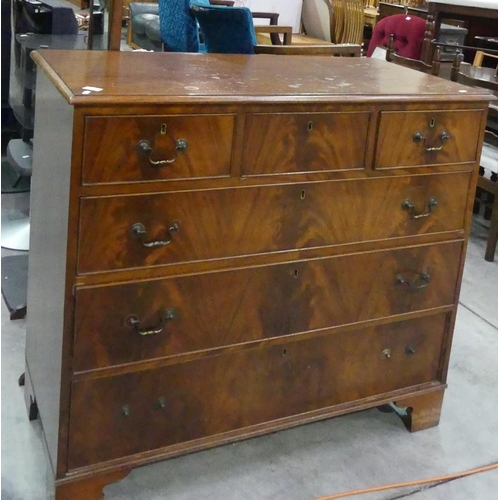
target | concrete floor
[{"x": 360, "y": 450}]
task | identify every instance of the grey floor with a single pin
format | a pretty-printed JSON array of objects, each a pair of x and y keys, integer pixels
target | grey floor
[{"x": 365, "y": 449}]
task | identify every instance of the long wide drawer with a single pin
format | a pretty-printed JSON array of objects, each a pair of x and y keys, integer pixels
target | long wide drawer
[
  {"x": 156, "y": 229},
  {"x": 304, "y": 142},
  {"x": 147, "y": 148},
  {"x": 143, "y": 411},
  {"x": 135, "y": 322},
  {"x": 419, "y": 138}
]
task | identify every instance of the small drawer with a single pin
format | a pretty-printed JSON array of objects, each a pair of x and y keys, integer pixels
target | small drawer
[
  {"x": 420, "y": 138},
  {"x": 150, "y": 148},
  {"x": 304, "y": 142},
  {"x": 143, "y": 411},
  {"x": 163, "y": 318},
  {"x": 124, "y": 232}
]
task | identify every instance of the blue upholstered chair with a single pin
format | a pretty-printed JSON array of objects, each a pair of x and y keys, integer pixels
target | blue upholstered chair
[
  {"x": 178, "y": 28},
  {"x": 231, "y": 31},
  {"x": 225, "y": 30}
]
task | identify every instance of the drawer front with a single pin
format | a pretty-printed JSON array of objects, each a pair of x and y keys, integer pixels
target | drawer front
[
  {"x": 172, "y": 316},
  {"x": 304, "y": 142},
  {"x": 376, "y": 209},
  {"x": 143, "y": 411},
  {"x": 119, "y": 149},
  {"x": 201, "y": 225},
  {"x": 419, "y": 138}
]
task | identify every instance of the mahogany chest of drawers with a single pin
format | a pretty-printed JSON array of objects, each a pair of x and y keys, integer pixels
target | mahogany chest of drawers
[{"x": 224, "y": 246}]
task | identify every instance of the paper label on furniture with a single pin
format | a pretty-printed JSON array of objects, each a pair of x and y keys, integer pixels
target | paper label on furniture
[
  {"x": 92, "y": 89},
  {"x": 379, "y": 53}
]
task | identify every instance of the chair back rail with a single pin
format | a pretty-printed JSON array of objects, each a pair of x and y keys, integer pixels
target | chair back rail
[
  {"x": 458, "y": 76},
  {"x": 433, "y": 69},
  {"x": 343, "y": 50}
]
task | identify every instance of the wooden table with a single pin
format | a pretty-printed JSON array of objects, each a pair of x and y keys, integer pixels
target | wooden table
[
  {"x": 297, "y": 39},
  {"x": 481, "y": 17}
]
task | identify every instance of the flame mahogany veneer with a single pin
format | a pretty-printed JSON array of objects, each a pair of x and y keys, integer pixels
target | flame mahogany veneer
[{"x": 225, "y": 246}]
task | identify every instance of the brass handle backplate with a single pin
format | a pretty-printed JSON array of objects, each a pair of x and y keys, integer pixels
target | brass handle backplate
[
  {"x": 408, "y": 205},
  {"x": 423, "y": 281},
  {"x": 144, "y": 147},
  {"x": 139, "y": 231},
  {"x": 165, "y": 316},
  {"x": 443, "y": 137}
]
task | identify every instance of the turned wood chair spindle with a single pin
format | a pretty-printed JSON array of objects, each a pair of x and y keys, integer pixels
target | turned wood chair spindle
[{"x": 433, "y": 69}]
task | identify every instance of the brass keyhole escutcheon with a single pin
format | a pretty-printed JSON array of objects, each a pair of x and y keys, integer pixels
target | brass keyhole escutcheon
[
  {"x": 309, "y": 126},
  {"x": 386, "y": 354},
  {"x": 163, "y": 129},
  {"x": 296, "y": 273},
  {"x": 432, "y": 123},
  {"x": 303, "y": 195},
  {"x": 125, "y": 411}
]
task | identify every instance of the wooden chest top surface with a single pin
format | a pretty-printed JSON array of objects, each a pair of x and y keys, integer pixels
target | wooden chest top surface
[{"x": 133, "y": 78}]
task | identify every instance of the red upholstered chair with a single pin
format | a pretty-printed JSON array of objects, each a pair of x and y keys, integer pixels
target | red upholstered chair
[{"x": 408, "y": 34}]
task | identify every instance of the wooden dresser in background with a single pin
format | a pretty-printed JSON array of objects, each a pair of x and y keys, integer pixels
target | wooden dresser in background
[{"x": 296, "y": 253}]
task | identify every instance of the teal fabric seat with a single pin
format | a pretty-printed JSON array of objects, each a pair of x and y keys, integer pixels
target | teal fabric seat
[
  {"x": 225, "y": 30},
  {"x": 178, "y": 27}
]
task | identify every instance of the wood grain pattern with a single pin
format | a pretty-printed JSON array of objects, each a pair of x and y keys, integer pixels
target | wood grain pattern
[
  {"x": 87, "y": 487},
  {"x": 422, "y": 411},
  {"x": 110, "y": 150},
  {"x": 218, "y": 394},
  {"x": 396, "y": 147},
  {"x": 229, "y": 222},
  {"x": 139, "y": 79},
  {"x": 227, "y": 308},
  {"x": 304, "y": 142},
  {"x": 212, "y": 224},
  {"x": 291, "y": 293},
  {"x": 372, "y": 209}
]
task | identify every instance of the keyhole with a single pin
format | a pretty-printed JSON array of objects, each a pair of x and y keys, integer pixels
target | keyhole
[
  {"x": 296, "y": 273},
  {"x": 163, "y": 128},
  {"x": 302, "y": 195},
  {"x": 309, "y": 126},
  {"x": 432, "y": 123},
  {"x": 284, "y": 352}
]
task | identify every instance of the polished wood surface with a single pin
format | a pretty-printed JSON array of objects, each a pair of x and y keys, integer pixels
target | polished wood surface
[
  {"x": 207, "y": 77},
  {"x": 214, "y": 395},
  {"x": 398, "y": 147},
  {"x": 236, "y": 222},
  {"x": 315, "y": 142},
  {"x": 422, "y": 411},
  {"x": 89, "y": 487},
  {"x": 111, "y": 152},
  {"x": 290, "y": 263},
  {"x": 307, "y": 296}
]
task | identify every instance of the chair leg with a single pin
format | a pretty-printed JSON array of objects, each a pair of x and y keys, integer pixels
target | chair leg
[{"x": 491, "y": 244}]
